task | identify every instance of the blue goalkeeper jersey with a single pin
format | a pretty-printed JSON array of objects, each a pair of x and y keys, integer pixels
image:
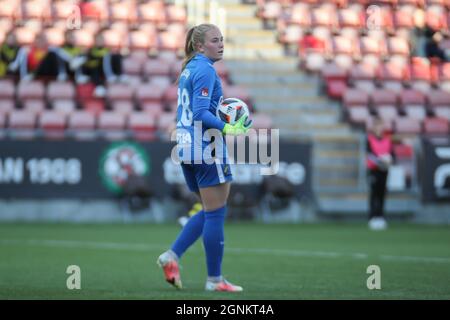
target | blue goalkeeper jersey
[{"x": 199, "y": 94}]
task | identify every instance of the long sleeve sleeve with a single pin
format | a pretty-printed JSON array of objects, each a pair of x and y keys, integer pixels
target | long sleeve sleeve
[{"x": 203, "y": 89}]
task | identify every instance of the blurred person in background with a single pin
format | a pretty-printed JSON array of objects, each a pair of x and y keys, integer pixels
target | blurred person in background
[
  {"x": 40, "y": 61},
  {"x": 379, "y": 158},
  {"x": 433, "y": 49},
  {"x": 9, "y": 56},
  {"x": 70, "y": 59},
  {"x": 310, "y": 43},
  {"x": 102, "y": 65}
]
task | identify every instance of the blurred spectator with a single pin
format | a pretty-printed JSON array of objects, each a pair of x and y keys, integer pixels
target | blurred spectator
[
  {"x": 433, "y": 49},
  {"x": 310, "y": 42},
  {"x": 9, "y": 53},
  {"x": 379, "y": 158},
  {"x": 102, "y": 64},
  {"x": 40, "y": 61},
  {"x": 70, "y": 59},
  {"x": 418, "y": 33}
]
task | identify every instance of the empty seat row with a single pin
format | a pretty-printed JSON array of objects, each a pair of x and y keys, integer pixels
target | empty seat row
[{"x": 83, "y": 124}]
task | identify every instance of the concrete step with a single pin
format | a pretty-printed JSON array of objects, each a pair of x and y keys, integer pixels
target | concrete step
[
  {"x": 337, "y": 153},
  {"x": 282, "y": 104},
  {"x": 258, "y": 78},
  {"x": 235, "y": 10},
  {"x": 282, "y": 63},
  {"x": 283, "y": 93},
  {"x": 303, "y": 118},
  {"x": 253, "y": 51},
  {"x": 356, "y": 203},
  {"x": 243, "y": 23},
  {"x": 337, "y": 182}
]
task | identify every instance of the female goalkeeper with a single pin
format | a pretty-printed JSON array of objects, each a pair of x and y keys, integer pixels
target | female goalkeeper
[{"x": 207, "y": 173}]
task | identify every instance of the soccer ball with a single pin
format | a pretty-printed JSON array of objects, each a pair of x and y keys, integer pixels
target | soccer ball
[{"x": 230, "y": 110}]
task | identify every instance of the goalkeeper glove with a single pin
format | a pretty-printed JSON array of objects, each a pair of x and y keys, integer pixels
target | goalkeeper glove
[{"x": 240, "y": 127}]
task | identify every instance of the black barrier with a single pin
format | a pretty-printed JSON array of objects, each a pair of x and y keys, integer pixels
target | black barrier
[
  {"x": 435, "y": 169},
  {"x": 99, "y": 169}
]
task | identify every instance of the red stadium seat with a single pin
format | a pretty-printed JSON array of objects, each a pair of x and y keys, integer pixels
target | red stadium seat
[
  {"x": 436, "y": 126},
  {"x": 413, "y": 104},
  {"x": 166, "y": 124},
  {"x": 36, "y": 106},
  {"x": 392, "y": 76},
  {"x": 9, "y": 10},
  {"x": 403, "y": 151},
  {"x": 112, "y": 125},
  {"x": 153, "y": 109},
  {"x": 60, "y": 90},
  {"x": 54, "y": 36},
  {"x": 153, "y": 12},
  {"x": 121, "y": 11},
  {"x": 299, "y": 15},
  {"x": 85, "y": 91},
  {"x": 94, "y": 105},
  {"x": 398, "y": 46},
  {"x": 176, "y": 14},
  {"x": 142, "y": 125},
  {"x": 438, "y": 99},
  {"x": 83, "y": 38},
  {"x": 7, "y": 105},
  {"x": 113, "y": 39},
  {"x": 384, "y": 97},
  {"x": 363, "y": 76},
  {"x": 349, "y": 18},
  {"x": 443, "y": 112},
  {"x": 403, "y": 19},
  {"x": 7, "y": 89},
  {"x": 343, "y": 45},
  {"x": 63, "y": 106},
  {"x": 354, "y": 97},
  {"x": 123, "y": 107},
  {"x": 82, "y": 125},
  {"x": 321, "y": 17},
  {"x": 370, "y": 45},
  {"x": 358, "y": 115},
  {"x": 271, "y": 10},
  {"x": 22, "y": 124},
  {"x": 407, "y": 126},
  {"x": 156, "y": 67},
  {"x": 61, "y": 10},
  {"x": 171, "y": 95},
  {"x": 141, "y": 40},
  {"x": 53, "y": 124},
  {"x": 170, "y": 41},
  {"x": 147, "y": 92},
  {"x": 119, "y": 92},
  {"x": 24, "y": 36},
  {"x": 335, "y": 78}
]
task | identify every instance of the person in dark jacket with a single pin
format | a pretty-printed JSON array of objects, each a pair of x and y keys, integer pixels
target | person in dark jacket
[{"x": 379, "y": 158}]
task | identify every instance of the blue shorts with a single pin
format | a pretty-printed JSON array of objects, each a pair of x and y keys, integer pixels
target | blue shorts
[{"x": 206, "y": 175}]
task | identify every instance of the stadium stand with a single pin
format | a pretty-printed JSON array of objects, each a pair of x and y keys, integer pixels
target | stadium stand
[{"x": 150, "y": 37}]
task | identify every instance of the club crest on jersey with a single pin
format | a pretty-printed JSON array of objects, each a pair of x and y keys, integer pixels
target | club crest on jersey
[{"x": 205, "y": 92}]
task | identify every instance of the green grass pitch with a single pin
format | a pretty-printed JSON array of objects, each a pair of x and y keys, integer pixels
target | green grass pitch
[{"x": 289, "y": 262}]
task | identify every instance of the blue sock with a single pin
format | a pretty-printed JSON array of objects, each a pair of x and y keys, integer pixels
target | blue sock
[
  {"x": 190, "y": 233},
  {"x": 213, "y": 240}
]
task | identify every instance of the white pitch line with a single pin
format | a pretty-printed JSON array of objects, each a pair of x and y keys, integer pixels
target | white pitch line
[{"x": 142, "y": 247}]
